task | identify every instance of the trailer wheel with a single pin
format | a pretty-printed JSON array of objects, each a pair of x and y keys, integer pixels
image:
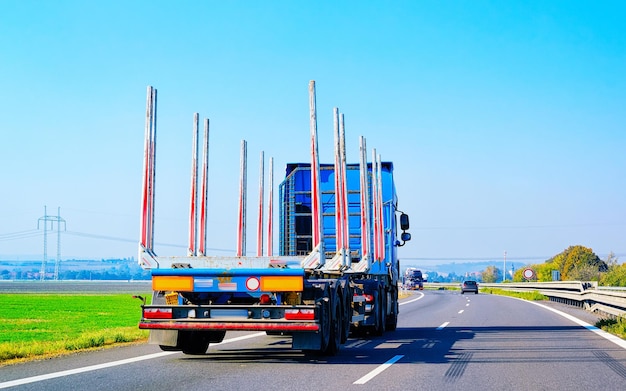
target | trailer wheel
[
  {"x": 166, "y": 348},
  {"x": 336, "y": 326},
  {"x": 381, "y": 305},
  {"x": 346, "y": 313},
  {"x": 197, "y": 342},
  {"x": 325, "y": 325},
  {"x": 392, "y": 319}
]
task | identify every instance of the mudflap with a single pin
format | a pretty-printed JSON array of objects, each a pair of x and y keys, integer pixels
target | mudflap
[
  {"x": 163, "y": 337},
  {"x": 307, "y": 341}
]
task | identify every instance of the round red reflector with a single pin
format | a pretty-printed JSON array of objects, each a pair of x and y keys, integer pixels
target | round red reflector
[{"x": 253, "y": 283}]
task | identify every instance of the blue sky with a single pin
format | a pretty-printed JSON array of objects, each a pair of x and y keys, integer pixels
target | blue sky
[{"x": 504, "y": 120}]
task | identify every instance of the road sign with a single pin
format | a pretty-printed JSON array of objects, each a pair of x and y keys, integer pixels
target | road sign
[{"x": 528, "y": 274}]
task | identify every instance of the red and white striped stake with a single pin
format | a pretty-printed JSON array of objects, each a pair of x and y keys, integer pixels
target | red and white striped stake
[
  {"x": 375, "y": 204},
  {"x": 147, "y": 200},
  {"x": 380, "y": 238},
  {"x": 193, "y": 221},
  {"x": 270, "y": 212},
  {"x": 377, "y": 207},
  {"x": 204, "y": 190},
  {"x": 365, "y": 203},
  {"x": 341, "y": 191},
  {"x": 338, "y": 187},
  {"x": 344, "y": 191},
  {"x": 316, "y": 197},
  {"x": 241, "y": 222},
  {"x": 259, "y": 239}
]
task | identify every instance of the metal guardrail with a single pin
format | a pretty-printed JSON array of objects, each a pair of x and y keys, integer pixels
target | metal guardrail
[{"x": 606, "y": 300}]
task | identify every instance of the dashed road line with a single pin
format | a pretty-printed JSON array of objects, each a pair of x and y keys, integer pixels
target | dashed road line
[{"x": 378, "y": 370}]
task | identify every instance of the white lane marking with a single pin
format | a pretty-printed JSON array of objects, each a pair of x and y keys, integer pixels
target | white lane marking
[
  {"x": 378, "y": 370},
  {"x": 421, "y": 297},
  {"x": 90, "y": 368},
  {"x": 616, "y": 340},
  {"x": 460, "y": 312},
  {"x": 53, "y": 375},
  {"x": 412, "y": 300}
]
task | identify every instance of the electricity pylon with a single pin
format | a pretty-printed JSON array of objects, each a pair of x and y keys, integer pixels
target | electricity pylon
[{"x": 52, "y": 219}]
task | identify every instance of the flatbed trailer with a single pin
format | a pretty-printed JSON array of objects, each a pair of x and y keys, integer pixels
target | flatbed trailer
[{"x": 337, "y": 270}]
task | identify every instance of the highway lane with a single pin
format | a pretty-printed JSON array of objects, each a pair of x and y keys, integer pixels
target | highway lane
[
  {"x": 444, "y": 340},
  {"x": 494, "y": 343}
]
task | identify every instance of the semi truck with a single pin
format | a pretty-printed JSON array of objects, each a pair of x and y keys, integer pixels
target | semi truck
[
  {"x": 337, "y": 271},
  {"x": 413, "y": 279}
]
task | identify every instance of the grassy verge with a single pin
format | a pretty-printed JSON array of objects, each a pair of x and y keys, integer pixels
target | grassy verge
[
  {"x": 522, "y": 295},
  {"x": 402, "y": 294},
  {"x": 615, "y": 326},
  {"x": 43, "y": 325}
]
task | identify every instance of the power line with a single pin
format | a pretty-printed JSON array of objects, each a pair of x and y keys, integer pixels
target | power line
[
  {"x": 103, "y": 237},
  {"x": 538, "y": 226},
  {"x": 119, "y": 239},
  {"x": 20, "y": 235},
  {"x": 37, "y": 233}
]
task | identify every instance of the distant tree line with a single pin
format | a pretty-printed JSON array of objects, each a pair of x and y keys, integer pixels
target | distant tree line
[
  {"x": 449, "y": 277},
  {"x": 576, "y": 263},
  {"x": 110, "y": 270}
]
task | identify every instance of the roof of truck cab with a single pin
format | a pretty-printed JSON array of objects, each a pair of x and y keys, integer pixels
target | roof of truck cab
[{"x": 386, "y": 166}]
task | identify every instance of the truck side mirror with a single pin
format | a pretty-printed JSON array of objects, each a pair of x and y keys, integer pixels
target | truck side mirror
[
  {"x": 404, "y": 225},
  {"x": 404, "y": 221}
]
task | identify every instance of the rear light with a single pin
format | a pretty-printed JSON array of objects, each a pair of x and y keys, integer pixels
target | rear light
[
  {"x": 265, "y": 299},
  {"x": 157, "y": 313},
  {"x": 369, "y": 298},
  {"x": 300, "y": 314}
]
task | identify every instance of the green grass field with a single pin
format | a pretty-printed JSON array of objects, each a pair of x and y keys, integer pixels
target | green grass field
[{"x": 42, "y": 325}]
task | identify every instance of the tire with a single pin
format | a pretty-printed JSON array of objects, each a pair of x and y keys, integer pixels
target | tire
[
  {"x": 166, "y": 348},
  {"x": 325, "y": 325},
  {"x": 346, "y": 314},
  {"x": 335, "y": 320},
  {"x": 379, "y": 328},
  {"x": 194, "y": 342},
  {"x": 392, "y": 319}
]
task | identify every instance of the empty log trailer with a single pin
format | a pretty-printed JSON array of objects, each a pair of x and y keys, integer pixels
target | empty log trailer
[{"x": 337, "y": 270}]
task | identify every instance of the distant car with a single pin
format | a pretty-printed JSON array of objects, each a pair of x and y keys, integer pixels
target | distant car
[{"x": 469, "y": 286}]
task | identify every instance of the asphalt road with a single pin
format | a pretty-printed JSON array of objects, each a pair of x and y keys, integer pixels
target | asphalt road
[{"x": 444, "y": 340}]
